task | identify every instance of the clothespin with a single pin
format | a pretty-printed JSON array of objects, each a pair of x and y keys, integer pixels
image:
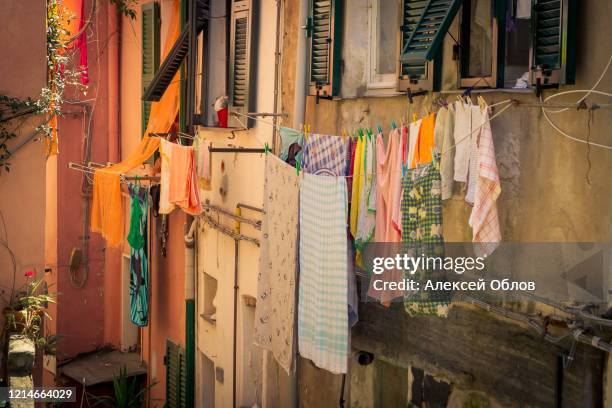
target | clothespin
[
  {"x": 343, "y": 134},
  {"x": 369, "y": 132},
  {"x": 393, "y": 125},
  {"x": 482, "y": 103},
  {"x": 414, "y": 117},
  {"x": 360, "y": 132},
  {"x": 266, "y": 148},
  {"x": 297, "y": 167}
]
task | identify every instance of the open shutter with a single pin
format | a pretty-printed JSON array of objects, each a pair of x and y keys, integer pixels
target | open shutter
[
  {"x": 169, "y": 68},
  {"x": 176, "y": 380},
  {"x": 240, "y": 59},
  {"x": 325, "y": 32},
  {"x": 553, "y": 58},
  {"x": 415, "y": 74},
  {"x": 428, "y": 35},
  {"x": 198, "y": 18},
  {"x": 150, "y": 53}
]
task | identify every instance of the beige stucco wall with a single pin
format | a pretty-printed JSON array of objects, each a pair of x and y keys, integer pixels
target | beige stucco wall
[
  {"x": 240, "y": 177},
  {"x": 22, "y": 191}
]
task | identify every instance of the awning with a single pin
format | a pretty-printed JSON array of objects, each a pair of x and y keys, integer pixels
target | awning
[{"x": 102, "y": 367}]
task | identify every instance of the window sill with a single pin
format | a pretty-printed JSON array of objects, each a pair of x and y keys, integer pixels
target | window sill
[
  {"x": 208, "y": 319},
  {"x": 491, "y": 90}
]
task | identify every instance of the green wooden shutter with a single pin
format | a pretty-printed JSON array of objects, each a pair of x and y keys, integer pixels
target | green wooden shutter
[
  {"x": 150, "y": 52},
  {"x": 554, "y": 41},
  {"x": 176, "y": 379},
  {"x": 240, "y": 68},
  {"x": 428, "y": 35},
  {"x": 416, "y": 74},
  {"x": 169, "y": 68},
  {"x": 325, "y": 32}
]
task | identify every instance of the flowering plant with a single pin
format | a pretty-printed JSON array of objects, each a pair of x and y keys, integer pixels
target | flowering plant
[{"x": 28, "y": 310}]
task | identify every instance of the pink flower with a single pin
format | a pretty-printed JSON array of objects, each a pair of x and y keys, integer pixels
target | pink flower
[{"x": 29, "y": 274}]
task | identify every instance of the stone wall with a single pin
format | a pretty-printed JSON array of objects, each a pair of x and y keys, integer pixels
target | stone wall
[{"x": 553, "y": 190}]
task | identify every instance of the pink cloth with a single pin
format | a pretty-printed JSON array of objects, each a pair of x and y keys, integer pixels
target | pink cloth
[
  {"x": 82, "y": 44},
  {"x": 396, "y": 215},
  {"x": 484, "y": 219},
  {"x": 388, "y": 189},
  {"x": 183, "y": 186}
]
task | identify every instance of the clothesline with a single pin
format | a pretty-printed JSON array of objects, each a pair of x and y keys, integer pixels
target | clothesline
[{"x": 508, "y": 103}]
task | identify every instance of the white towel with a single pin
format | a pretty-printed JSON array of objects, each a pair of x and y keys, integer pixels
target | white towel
[{"x": 275, "y": 311}]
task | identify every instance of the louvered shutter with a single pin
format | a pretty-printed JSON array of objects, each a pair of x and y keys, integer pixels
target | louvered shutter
[
  {"x": 150, "y": 53},
  {"x": 169, "y": 68},
  {"x": 198, "y": 17},
  {"x": 240, "y": 60},
  {"x": 325, "y": 32},
  {"x": 427, "y": 37},
  {"x": 415, "y": 74},
  {"x": 554, "y": 42},
  {"x": 176, "y": 379}
]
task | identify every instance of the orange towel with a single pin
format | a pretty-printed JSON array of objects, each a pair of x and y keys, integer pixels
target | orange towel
[
  {"x": 106, "y": 210},
  {"x": 425, "y": 141},
  {"x": 183, "y": 188}
]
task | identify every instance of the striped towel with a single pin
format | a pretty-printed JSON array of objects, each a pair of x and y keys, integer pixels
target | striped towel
[
  {"x": 322, "y": 306},
  {"x": 324, "y": 154},
  {"x": 484, "y": 219}
]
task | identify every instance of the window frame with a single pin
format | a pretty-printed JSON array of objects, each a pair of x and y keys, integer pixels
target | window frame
[
  {"x": 379, "y": 81},
  {"x": 494, "y": 80}
]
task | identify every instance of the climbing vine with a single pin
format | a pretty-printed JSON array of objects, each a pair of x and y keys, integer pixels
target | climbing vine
[{"x": 60, "y": 74}]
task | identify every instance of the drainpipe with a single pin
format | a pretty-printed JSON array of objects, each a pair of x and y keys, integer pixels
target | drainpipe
[
  {"x": 190, "y": 276},
  {"x": 114, "y": 33},
  {"x": 299, "y": 101},
  {"x": 235, "y": 341},
  {"x": 277, "y": 62}
]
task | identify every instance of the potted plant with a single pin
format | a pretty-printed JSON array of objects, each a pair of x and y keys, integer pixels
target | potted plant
[{"x": 27, "y": 311}]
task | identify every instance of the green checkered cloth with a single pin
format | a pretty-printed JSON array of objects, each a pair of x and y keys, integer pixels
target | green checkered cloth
[{"x": 422, "y": 236}]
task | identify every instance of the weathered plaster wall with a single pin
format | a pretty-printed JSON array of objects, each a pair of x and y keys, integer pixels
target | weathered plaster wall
[
  {"x": 238, "y": 178},
  {"x": 553, "y": 190},
  {"x": 22, "y": 191}
]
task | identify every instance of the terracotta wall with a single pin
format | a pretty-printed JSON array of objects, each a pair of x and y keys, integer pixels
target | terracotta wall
[
  {"x": 22, "y": 191},
  {"x": 166, "y": 274}
]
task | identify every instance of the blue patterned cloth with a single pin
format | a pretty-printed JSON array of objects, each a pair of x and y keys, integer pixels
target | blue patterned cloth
[
  {"x": 326, "y": 155},
  {"x": 322, "y": 307}
]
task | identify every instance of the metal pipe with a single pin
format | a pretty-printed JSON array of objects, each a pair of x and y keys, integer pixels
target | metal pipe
[
  {"x": 299, "y": 102},
  {"x": 264, "y": 114},
  {"x": 235, "y": 342},
  {"x": 235, "y": 150},
  {"x": 113, "y": 100},
  {"x": 255, "y": 223},
  {"x": 190, "y": 334},
  {"x": 250, "y": 207},
  {"x": 277, "y": 61}
]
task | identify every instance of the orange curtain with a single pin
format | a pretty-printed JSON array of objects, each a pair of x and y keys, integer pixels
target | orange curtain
[{"x": 107, "y": 210}]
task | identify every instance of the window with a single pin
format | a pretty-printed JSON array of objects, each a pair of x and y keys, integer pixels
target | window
[
  {"x": 517, "y": 43},
  {"x": 382, "y": 61},
  {"x": 213, "y": 68},
  {"x": 479, "y": 44},
  {"x": 324, "y": 28}
]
